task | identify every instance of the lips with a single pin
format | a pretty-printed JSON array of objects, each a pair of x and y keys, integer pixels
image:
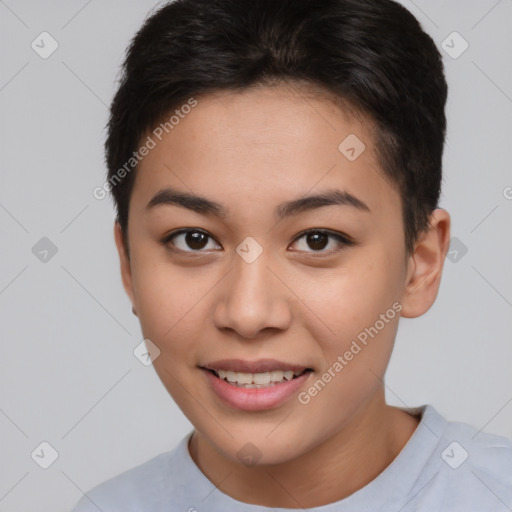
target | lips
[
  {"x": 259, "y": 366},
  {"x": 255, "y": 385}
]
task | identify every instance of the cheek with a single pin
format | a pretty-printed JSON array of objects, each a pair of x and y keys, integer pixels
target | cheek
[
  {"x": 167, "y": 299},
  {"x": 353, "y": 297},
  {"x": 361, "y": 311}
]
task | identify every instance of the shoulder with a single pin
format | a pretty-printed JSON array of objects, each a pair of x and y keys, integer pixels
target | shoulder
[
  {"x": 138, "y": 489},
  {"x": 469, "y": 468},
  {"x": 489, "y": 453}
]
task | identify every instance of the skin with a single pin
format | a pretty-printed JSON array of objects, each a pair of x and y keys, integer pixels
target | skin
[{"x": 249, "y": 152}]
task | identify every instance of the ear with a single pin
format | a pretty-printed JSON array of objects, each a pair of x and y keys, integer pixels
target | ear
[
  {"x": 425, "y": 266},
  {"x": 126, "y": 273}
]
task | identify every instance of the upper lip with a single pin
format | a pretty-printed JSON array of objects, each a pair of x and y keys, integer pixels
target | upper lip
[{"x": 259, "y": 366}]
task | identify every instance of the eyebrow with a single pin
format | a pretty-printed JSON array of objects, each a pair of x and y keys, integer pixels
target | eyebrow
[{"x": 204, "y": 206}]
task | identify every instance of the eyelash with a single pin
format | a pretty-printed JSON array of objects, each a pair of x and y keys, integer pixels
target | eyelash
[{"x": 342, "y": 239}]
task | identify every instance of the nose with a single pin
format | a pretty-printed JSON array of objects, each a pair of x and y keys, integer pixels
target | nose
[{"x": 252, "y": 301}]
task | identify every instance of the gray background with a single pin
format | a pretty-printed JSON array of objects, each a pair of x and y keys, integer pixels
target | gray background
[{"x": 67, "y": 372}]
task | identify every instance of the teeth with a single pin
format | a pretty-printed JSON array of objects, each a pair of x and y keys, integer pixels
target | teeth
[
  {"x": 276, "y": 376},
  {"x": 256, "y": 379},
  {"x": 243, "y": 378},
  {"x": 260, "y": 378},
  {"x": 288, "y": 375}
]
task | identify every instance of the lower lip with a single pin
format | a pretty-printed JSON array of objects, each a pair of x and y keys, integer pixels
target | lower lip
[{"x": 255, "y": 399}]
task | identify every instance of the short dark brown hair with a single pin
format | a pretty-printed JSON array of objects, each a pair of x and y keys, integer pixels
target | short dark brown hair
[{"x": 371, "y": 54}]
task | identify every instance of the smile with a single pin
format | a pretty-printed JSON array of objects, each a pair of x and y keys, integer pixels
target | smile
[
  {"x": 255, "y": 386},
  {"x": 257, "y": 380}
]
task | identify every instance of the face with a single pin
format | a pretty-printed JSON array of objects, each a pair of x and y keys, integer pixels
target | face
[{"x": 261, "y": 277}]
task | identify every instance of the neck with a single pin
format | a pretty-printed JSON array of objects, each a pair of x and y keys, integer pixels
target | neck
[{"x": 333, "y": 470}]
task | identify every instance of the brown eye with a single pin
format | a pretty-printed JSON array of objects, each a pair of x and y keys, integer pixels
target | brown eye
[
  {"x": 196, "y": 240},
  {"x": 189, "y": 240},
  {"x": 315, "y": 240}
]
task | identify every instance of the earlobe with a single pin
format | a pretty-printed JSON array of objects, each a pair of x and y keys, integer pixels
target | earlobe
[
  {"x": 426, "y": 266},
  {"x": 126, "y": 274}
]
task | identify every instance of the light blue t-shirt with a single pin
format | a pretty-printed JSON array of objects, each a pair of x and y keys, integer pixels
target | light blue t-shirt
[{"x": 445, "y": 466}]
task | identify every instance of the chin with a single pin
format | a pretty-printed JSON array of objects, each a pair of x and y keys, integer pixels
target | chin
[{"x": 258, "y": 446}]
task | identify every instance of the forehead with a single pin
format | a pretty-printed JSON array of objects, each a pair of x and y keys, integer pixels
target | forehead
[{"x": 261, "y": 145}]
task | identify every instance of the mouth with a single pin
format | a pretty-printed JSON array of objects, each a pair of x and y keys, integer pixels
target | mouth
[
  {"x": 257, "y": 380},
  {"x": 255, "y": 386}
]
